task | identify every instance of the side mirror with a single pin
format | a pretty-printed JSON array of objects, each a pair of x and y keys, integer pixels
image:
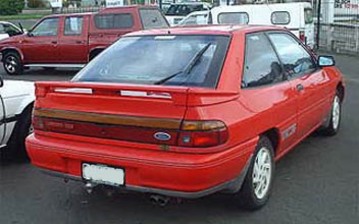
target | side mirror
[{"x": 326, "y": 61}]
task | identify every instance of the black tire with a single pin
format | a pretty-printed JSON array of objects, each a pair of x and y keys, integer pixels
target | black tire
[
  {"x": 333, "y": 125},
  {"x": 16, "y": 149},
  {"x": 248, "y": 196},
  {"x": 12, "y": 63}
]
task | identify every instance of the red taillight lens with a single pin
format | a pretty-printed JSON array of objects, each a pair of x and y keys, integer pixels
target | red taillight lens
[
  {"x": 202, "y": 133},
  {"x": 302, "y": 36},
  {"x": 191, "y": 134}
]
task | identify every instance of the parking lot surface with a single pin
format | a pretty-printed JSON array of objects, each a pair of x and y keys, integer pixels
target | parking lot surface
[{"x": 318, "y": 182}]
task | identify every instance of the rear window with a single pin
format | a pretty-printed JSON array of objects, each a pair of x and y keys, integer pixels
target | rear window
[
  {"x": 233, "y": 18},
  {"x": 183, "y": 60},
  {"x": 152, "y": 18},
  {"x": 308, "y": 15},
  {"x": 114, "y": 21},
  {"x": 280, "y": 18}
]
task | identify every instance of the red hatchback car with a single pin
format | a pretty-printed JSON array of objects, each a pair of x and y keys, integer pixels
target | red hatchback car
[{"x": 186, "y": 112}]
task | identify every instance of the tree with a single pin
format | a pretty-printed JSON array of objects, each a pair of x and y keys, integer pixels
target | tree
[{"x": 11, "y": 7}]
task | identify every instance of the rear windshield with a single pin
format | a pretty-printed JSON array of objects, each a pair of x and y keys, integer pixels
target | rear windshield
[
  {"x": 114, "y": 21},
  {"x": 152, "y": 19},
  {"x": 233, "y": 18},
  {"x": 160, "y": 60},
  {"x": 183, "y": 10},
  {"x": 308, "y": 16}
]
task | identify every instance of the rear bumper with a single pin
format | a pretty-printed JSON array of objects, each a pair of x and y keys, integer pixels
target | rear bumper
[{"x": 150, "y": 171}]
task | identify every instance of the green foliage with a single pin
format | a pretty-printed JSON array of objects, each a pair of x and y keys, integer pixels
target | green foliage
[
  {"x": 11, "y": 7},
  {"x": 36, "y": 4}
]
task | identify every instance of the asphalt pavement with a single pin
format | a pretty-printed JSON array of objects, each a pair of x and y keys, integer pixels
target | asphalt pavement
[{"x": 318, "y": 182}]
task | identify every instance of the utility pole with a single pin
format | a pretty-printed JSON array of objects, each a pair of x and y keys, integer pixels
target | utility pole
[{"x": 319, "y": 5}]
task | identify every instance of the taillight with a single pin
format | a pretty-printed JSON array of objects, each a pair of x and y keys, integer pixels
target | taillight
[
  {"x": 191, "y": 133},
  {"x": 202, "y": 133},
  {"x": 302, "y": 36}
]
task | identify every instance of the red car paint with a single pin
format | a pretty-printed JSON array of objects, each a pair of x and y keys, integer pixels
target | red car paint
[
  {"x": 172, "y": 169},
  {"x": 75, "y": 48}
]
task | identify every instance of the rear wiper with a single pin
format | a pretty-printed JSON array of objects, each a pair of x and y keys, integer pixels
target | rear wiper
[
  {"x": 167, "y": 78},
  {"x": 195, "y": 59},
  {"x": 188, "y": 67}
]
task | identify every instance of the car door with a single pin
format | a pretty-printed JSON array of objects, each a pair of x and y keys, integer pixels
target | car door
[
  {"x": 265, "y": 91},
  {"x": 307, "y": 78},
  {"x": 40, "y": 45},
  {"x": 72, "y": 43}
]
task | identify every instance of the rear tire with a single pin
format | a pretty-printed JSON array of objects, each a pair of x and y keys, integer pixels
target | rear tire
[
  {"x": 257, "y": 185},
  {"x": 12, "y": 63}
]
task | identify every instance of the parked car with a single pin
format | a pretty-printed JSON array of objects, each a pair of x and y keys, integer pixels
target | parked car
[
  {"x": 8, "y": 30},
  {"x": 295, "y": 16},
  {"x": 71, "y": 40},
  {"x": 16, "y": 102},
  {"x": 186, "y": 112},
  {"x": 196, "y": 18},
  {"x": 177, "y": 11}
]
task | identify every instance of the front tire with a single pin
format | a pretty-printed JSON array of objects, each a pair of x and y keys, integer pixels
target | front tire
[
  {"x": 16, "y": 149},
  {"x": 257, "y": 185},
  {"x": 12, "y": 63},
  {"x": 333, "y": 125}
]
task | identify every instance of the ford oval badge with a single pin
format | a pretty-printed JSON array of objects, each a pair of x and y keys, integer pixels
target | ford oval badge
[{"x": 162, "y": 136}]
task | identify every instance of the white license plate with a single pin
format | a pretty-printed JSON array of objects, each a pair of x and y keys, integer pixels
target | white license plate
[{"x": 103, "y": 174}]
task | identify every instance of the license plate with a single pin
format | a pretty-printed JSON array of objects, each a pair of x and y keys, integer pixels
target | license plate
[{"x": 103, "y": 174}]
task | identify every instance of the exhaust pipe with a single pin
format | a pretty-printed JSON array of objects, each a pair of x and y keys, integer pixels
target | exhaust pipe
[
  {"x": 159, "y": 200},
  {"x": 89, "y": 187}
]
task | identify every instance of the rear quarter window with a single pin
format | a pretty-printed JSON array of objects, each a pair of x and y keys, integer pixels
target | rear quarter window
[
  {"x": 280, "y": 18},
  {"x": 114, "y": 21},
  {"x": 308, "y": 16},
  {"x": 152, "y": 18},
  {"x": 233, "y": 18}
]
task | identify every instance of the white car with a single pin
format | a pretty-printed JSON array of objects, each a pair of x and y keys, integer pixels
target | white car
[
  {"x": 8, "y": 30},
  {"x": 196, "y": 18},
  {"x": 16, "y": 100},
  {"x": 177, "y": 11}
]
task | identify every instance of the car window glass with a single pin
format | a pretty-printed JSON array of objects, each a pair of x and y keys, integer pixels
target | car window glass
[
  {"x": 308, "y": 15},
  {"x": 73, "y": 26},
  {"x": 47, "y": 27},
  {"x": 11, "y": 30},
  {"x": 233, "y": 17},
  {"x": 152, "y": 19},
  {"x": 183, "y": 10},
  {"x": 2, "y": 31},
  {"x": 280, "y": 18},
  {"x": 262, "y": 65},
  {"x": 149, "y": 59},
  {"x": 114, "y": 21},
  {"x": 295, "y": 58}
]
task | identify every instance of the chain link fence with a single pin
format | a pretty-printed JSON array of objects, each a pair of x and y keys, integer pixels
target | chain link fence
[{"x": 338, "y": 25}]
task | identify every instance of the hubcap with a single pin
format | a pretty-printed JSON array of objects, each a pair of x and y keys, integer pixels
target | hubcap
[
  {"x": 336, "y": 112},
  {"x": 10, "y": 64},
  {"x": 262, "y": 170}
]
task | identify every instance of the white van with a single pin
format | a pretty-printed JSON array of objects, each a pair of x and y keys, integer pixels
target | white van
[{"x": 296, "y": 16}]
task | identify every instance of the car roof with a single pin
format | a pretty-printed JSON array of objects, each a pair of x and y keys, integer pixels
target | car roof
[{"x": 205, "y": 30}]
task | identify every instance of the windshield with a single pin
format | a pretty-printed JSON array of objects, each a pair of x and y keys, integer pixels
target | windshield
[
  {"x": 183, "y": 10},
  {"x": 187, "y": 60}
]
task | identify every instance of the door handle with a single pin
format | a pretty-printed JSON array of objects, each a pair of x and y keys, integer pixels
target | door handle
[
  {"x": 79, "y": 42},
  {"x": 300, "y": 87},
  {"x": 54, "y": 42}
]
